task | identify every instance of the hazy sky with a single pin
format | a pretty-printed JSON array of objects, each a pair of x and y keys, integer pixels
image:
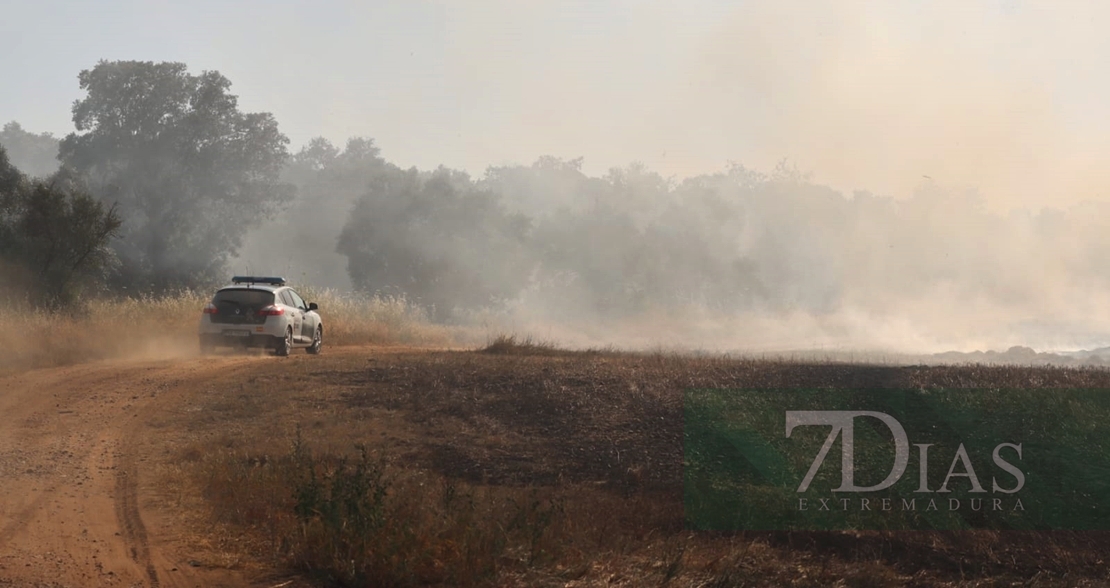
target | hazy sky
[{"x": 1010, "y": 96}]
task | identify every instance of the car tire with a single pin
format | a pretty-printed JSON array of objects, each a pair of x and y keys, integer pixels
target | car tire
[
  {"x": 286, "y": 344},
  {"x": 207, "y": 348},
  {"x": 317, "y": 341}
]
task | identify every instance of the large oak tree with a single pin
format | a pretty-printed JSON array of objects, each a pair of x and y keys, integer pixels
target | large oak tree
[{"x": 191, "y": 174}]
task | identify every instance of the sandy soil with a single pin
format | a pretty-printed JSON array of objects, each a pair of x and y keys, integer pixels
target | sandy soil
[{"x": 74, "y": 443}]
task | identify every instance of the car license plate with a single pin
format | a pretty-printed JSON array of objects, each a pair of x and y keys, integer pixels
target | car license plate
[{"x": 237, "y": 333}]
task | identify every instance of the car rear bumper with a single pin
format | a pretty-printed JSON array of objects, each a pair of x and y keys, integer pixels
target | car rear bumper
[
  {"x": 249, "y": 340},
  {"x": 274, "y": 327}
]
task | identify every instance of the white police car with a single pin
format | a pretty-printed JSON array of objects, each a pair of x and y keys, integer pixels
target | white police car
[{"x": 260, "y": 312}]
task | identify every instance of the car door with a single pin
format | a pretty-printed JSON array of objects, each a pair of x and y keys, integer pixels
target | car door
[
  {"x": 291, "y": 299},
  {"x": 308, "y": 324}
]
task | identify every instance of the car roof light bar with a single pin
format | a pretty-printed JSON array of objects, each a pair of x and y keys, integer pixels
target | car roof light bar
[{"x": 275, "y": 281}]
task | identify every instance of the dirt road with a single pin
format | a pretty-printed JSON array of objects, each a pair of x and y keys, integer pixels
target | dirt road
[{"x": 73, "y": 445}]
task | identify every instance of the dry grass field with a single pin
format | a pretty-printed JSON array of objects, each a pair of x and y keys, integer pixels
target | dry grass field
[
  {"x": 392, "y": 461},
  {"x": 533, "y": 466}
]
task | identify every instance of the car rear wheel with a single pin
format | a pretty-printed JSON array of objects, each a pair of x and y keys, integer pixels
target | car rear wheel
[
  {"x": 317, "y": 341},
  {"x": 206, "y": 348},
  {"x": 286, "y": 344}
]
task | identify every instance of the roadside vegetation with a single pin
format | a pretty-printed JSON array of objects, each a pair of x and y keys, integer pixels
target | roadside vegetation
[
  {"x": 165, "y": 326},
  {"x": 363, "y": 520}
]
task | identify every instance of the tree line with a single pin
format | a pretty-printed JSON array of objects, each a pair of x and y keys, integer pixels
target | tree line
[
  {"x": 165, "y": 183},
  {"x": 164, "y": 173}
]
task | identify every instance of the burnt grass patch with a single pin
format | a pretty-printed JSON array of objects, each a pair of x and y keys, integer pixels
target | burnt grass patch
[
  {"x": 606, "y": 430},
  {"x": 613, "y": 417},
  {"x": 617, "y": 418},
  {"x": 564, "y": 418}
]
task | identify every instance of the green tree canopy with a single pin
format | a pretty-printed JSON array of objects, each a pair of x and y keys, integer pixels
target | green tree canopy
[
  {"x": 329, "y": 180},
  {"x": 54, "y": 237},
  {"x": 11, "y": 182},
  {"x": 10, "y": 177},
  {"x": 190, "y": 172},
  {"x": 437, "y": 239}
]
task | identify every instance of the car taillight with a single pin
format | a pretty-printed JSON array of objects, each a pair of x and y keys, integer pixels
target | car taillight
[
  {"x": 271, "y": 311},
  {"x": 211, "y": 309}
]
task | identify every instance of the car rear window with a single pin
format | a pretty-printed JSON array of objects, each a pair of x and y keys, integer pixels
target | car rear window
[{"x": 243, "y": 298}]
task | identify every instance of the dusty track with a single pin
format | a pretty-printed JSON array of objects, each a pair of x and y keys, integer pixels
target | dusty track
[{"x": 73, "y": 445}]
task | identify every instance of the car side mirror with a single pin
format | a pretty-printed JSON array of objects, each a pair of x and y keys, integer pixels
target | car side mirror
[{"x": 312, "y": 306}]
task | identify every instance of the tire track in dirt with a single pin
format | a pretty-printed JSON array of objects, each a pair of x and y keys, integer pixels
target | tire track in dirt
[
  {"x": 74, "y": 445},
  {"x": 130, "y": 521}
]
